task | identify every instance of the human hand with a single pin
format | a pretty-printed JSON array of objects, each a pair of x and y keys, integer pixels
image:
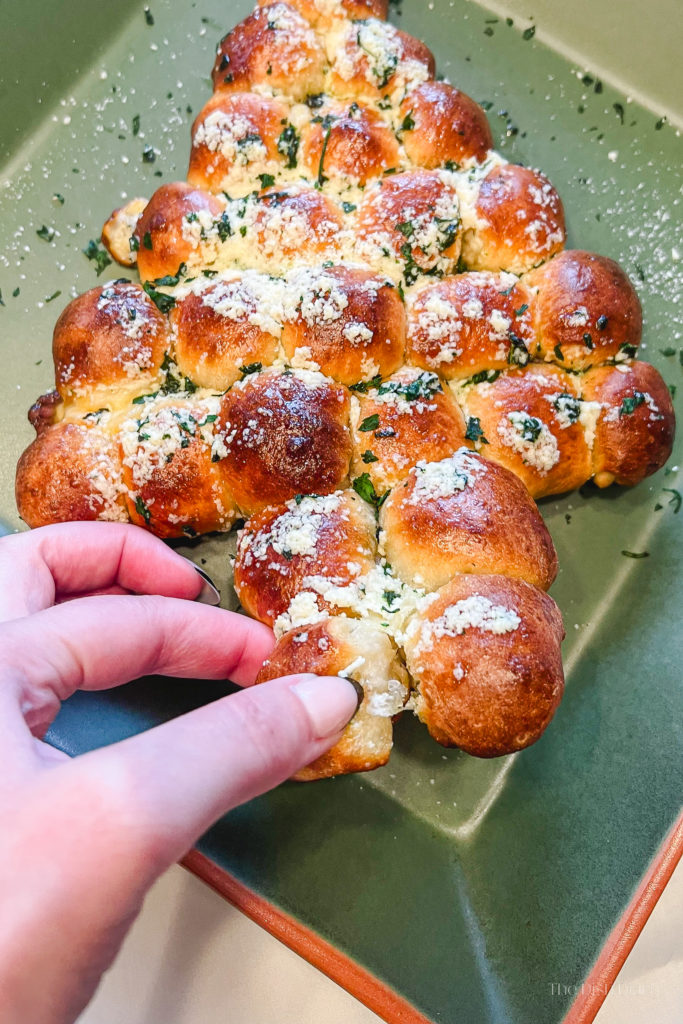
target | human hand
[{"x": 90, "y": 606}]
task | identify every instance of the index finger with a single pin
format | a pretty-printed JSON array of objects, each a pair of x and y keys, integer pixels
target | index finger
[{"x": 40, "y": 566}]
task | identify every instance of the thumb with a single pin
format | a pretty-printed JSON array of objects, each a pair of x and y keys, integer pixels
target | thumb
[{"x": 174, "y": 781}]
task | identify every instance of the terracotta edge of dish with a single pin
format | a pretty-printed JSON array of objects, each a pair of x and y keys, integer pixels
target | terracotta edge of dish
[
  {"x": 361, "y": 984},
  {"x": 386, "y": 1003},
  {"x": 622, "y": 939}
]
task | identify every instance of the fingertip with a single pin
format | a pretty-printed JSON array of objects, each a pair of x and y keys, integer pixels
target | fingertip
[{"x": 330, "y": 702}]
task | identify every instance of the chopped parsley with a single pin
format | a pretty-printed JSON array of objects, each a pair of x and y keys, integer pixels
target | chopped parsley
[
  {"x": 636, "y": 554},
  {"x": 149, "y": 155},
  {"x": 161, "y": 300},
  {"x": 369, "y": 423},
  {"x": 46, "y": 233},
  {"x": 249, "y": 368},
  {"x": 426, "y": 385},
  {"x": 531, "y": 428},
  {"x": 369, "y": 457},
  {"x": 365, "y": 489},
  {"x": 142, "y": 510},
  {"x": 363, "y": 386},
  {"x": 518, "y": 354},
  {"x": 100, "y": 257},
  {"x": 568, "y": 405},
  {"x": 136, "y": 124},
  {"x": 474, "y": 432},
  {"x": 408, "y": 124},
  {"x": 288, "y": 145},
  {"x": 266, "y": 181},
  {"x": 529, "y": 33},
  {"x": 631, "y": 403}
]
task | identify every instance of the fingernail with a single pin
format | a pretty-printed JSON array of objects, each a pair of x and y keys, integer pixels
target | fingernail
[
  {"x": 330, "y": 702},
  {"x": 209, "y": 594}
]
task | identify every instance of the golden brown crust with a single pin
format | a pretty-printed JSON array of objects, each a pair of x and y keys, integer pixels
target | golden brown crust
[
  {"x": 635, "y": 432},
  {"x": 331, "y": 537},
  {"x": 518, "y": 221},
  {"x": 533, "y": 422},
  {"x": 112, "y": 336},
  {"x": 372, "y": 59},
  {"x": 161, "y": 232},
  {"x": 470, "y": 323},
  {"x": 348, "y": 321},
  {"x": 360, "y": 650},
  {"x": 45, "y": 411},
  {"x": 273, "y": 46},
  {"x": 234, "y": 137},
  {"x": 214, "y": 333},
  {"x": 414, "y": 218},
  {"x": 465, "y": 515},
  {"x": 283, "y": 434},
  {"x": 485, "y": 655},
  {"x": 408, "y": 418},
  {"x": 297, "y": 224},
  {"x": 173, "y": 488},
  {"x": 319, "y": 14},
  {"x": 117, "y": 232},
  {"x": 442, "y": 125},
  {"x": 586, "y": 311},
  {"x": 72, "y": 471},
  {"x": 349, "y": 141}
]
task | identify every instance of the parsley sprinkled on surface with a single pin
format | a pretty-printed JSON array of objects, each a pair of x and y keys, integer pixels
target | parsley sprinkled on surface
[
  {"x": 636, "y": 554},
  {"x": 288, "y": 145},
  {"x": 631, "y": 402},
  {"x": 100, "y": 257},
  {"x": 266, "y": 180},
  {"x": 425, "y": 386},
  {"x": 474, "y": 432},
  {"x": 46, "y": 233},
  {"x": 370, "y": 423},
  {"x": 161, "y": 300},
  {"x": 529, "y": 33},
  {"x": 369, "y": 457},
  {"x": 250, "y": 368},
  {"x": 518, "y": 354},
  {"x": 142, "y": 510},
  {"x": 363, "y": 386},
  {"x": 136, "y": 124},
  {"x": 365, "y": 489}
]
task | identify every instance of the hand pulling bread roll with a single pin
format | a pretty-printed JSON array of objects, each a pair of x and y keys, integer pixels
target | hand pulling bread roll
[
  {"x": 361, "y": 651},
  {"x": 351, "y": 288}
]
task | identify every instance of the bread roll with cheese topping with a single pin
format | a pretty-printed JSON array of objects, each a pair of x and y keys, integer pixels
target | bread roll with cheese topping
[
  {"x": 443, "y": 126},
  {"x": 117, "y": 232},
  {"x": 471, "y": 324},
  {"x": 108, "y": 345},
  {"x": 513, "y": 218},
  {"x": 465, "y": 515},
  {"x": 586, "y": 311},
  {"x": 173, "y": 488},
  {"x": 407, "y": 418},
  {"x": 484, "y": 654},
  {"x": 534, "y": 422},
  {"x": 274, "y": 48},
  {"x": 347, "y": 141},
  {"x": 170, "y": 229},
  {"x": 282, "y": 434},
  {"x": 345, "y": 320},
  {"x": 295, "y": 225},
  {"x": 226, "y": 324},
  {"x": 371, "y": 59},
  {"x": 358, "y": 650},
  {"x": 332, "y": 537},
  {"x": 414, "y": 219},
  {"x": 238, "y": 137},
  {"x": 72, "y": 471},
  {"x": 322, "y": 14},
  {"x": 635, "y": 430}
]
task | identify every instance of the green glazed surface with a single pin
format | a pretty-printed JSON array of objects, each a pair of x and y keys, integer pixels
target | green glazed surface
[{"x": 475, "y": 889}]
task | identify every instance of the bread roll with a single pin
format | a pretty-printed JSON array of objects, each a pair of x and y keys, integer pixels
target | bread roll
[
  {"x": 533, "y": 421},
  {"x": 443, "y": 126},
  {"x": 349, "y": 143},
  {"x": 470, "y": 324},
  {"x": 586, "y": 311},
  {"x": 236, "y": 138},
  {"x": 414, "y": 219},
  {"x": 465, "y": 514},
  {"x": 173, "y": 488},
  {"x": 117, "y": 232},
  {"x": 346, "y": 321},
  {"x": 323, "y": 13},
  {"x": 407, "y": 418},
  {"x": 280, "y": 548},
  {"x": 371, "y": 60},
  {"x": 361, "y": 651},
  {"x": 513, "y": 218},
  {"x": 274, "y": 48},
  {"x": 108, "y": 344},
  {"x": 635, "y": 430},
  {"x": 71, "y": 471},
  {"x": 225, "y": 324},
  {"x": 170, "y": 228},
  {"x": 282, "y": 434},
  {"x": 485, "y": 656},
  {"x": 294, "y": 225}
]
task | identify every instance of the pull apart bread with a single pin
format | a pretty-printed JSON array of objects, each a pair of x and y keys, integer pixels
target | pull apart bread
[{"x": 358, "y": 329}]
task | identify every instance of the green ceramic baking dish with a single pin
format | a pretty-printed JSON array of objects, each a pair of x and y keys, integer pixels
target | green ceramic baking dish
[{"x": 440, "y": 888}]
